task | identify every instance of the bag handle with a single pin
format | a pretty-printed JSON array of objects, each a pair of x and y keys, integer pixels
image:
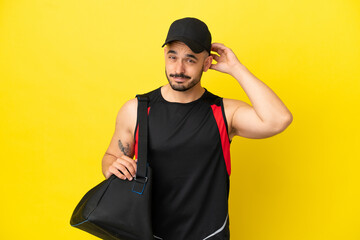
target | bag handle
[{"x": 141, "y": 172}]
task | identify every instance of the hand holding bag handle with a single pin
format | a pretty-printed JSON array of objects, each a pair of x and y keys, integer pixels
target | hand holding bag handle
[{"x": 119, "y": 209}]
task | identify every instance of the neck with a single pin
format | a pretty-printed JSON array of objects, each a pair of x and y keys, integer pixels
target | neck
[{"x": 187, "y": 96}]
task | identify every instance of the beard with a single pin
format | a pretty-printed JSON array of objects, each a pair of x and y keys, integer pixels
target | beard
[{"x": 188, "y": 84}]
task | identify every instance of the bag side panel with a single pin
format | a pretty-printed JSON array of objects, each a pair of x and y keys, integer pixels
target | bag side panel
[{"x": 89, "y": 202}]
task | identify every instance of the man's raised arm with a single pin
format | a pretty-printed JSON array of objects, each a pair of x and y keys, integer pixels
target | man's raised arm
[{"x": 268, "y": 115}]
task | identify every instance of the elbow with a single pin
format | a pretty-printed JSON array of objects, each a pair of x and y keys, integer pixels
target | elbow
[
  {"x": 284, "y": 122},
  {"x": 288, "y": 119},
  {"x": 276, "y": 126}
]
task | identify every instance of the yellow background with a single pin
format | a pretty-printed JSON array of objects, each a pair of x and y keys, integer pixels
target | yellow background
[{"x": 66, "y": 67}]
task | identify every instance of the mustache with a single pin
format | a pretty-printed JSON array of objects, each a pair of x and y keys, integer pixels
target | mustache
[{"x": 181, "y": 75}]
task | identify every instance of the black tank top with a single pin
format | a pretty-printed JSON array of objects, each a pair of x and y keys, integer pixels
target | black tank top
[{"x": 189, "y": 153}]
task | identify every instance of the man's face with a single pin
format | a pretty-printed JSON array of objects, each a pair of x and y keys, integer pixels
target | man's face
[{"x": 183, "y": 67}]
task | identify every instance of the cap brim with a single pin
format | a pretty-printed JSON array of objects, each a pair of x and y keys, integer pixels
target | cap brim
[{"x": 194, "y": 46}]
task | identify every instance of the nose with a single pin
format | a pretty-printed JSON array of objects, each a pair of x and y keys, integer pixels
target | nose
[{"x": 180, "y": 68}]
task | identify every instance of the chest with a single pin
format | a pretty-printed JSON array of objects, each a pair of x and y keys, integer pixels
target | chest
[{"x": 182, "y": 128}]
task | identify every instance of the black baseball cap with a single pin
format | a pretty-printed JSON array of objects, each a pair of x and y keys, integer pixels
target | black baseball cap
[{"x": 191, "y": 31}]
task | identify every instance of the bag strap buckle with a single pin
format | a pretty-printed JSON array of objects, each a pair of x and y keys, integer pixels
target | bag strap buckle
[
  {"x": 142, "y": 180},
  {"x": 139, "y": 185}
]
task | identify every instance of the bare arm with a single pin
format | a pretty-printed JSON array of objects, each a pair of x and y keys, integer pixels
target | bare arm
[
  {"x": 268, "y": 115},
  {"x": 118, "y": 158}
]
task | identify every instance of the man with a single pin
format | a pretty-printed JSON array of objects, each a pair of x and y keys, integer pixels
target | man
[{"x": 190, "y": 131}]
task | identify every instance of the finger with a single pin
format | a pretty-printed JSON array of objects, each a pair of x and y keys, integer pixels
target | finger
[
  {"x": 219, "y": 51},
  {"x": 213, "y": 66},
  {"x": 108, "y": 174},
  {"x": 116, "y": 172},
  {"x": 126, "y": 158},
  {"x": 124, "y": 170},
  {"x": 129, "y": 163},
  {"x": 130, "y": 160},
  {"x": 217, "y": 47},
  {"x": 215, "y": 57},
  {"x": 217, "y": 67}
]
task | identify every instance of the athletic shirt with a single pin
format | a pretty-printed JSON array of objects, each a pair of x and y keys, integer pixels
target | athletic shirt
[{"x": 189, "y": 153}]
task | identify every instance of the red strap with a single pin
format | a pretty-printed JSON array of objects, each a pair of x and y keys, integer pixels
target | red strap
[{"x": 225, "y": 142}]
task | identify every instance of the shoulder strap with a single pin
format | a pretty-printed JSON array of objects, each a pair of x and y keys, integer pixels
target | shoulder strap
[
  {"x": 141, "y": 173},
  {"x": 211, "y": 98}
]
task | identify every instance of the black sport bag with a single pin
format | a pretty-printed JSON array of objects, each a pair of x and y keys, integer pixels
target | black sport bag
[{"x": 119, "y": 209}]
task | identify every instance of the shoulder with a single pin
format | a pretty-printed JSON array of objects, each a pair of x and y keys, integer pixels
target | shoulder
[
  {"x": 127, "y": 116},
  {"x": 232, "y": 104},
  {"x": 128, "y": 108},
  {"x": 211, "y": 98},
  {"x": 153, "y": 95}
]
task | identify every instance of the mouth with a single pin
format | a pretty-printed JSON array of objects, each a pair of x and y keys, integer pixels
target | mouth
[{"x": 179, "y": 78}]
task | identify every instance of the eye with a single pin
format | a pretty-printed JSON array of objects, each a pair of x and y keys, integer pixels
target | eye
[
  {"x": 191, "y": 60},
  {"x": 172, "y": 57}
]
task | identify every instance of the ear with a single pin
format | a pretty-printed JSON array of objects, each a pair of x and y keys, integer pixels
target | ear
[{"x": 207, "y": 63}]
